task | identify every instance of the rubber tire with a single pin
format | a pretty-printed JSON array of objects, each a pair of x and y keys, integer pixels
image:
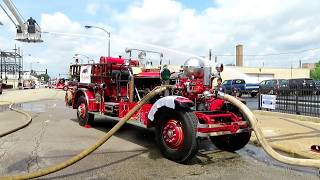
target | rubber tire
[
  {"x": 89, "y": 117},
  {"x": 231, "y": 142},
  {"x": 240, "y": 93},
  {"x": 189, "y": 127}
]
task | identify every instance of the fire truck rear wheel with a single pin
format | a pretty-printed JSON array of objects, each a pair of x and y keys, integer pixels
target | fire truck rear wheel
[
  {"x": 231, "y": 142},
  {"x": 176, "y": 134},
  {"x": 84, "y": 117}
]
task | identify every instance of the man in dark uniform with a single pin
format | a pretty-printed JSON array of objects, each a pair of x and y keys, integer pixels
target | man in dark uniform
[
  {"x": 31, "y": 25},
  {"x": 219, "y": 86}
]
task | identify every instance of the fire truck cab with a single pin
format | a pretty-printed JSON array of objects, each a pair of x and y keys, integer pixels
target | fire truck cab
[{"x": 180, "y": 116}]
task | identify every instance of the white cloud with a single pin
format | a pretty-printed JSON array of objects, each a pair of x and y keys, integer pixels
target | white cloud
[
  {"x": 261, "y": 26},
  {"x": 58, "y": 50}
]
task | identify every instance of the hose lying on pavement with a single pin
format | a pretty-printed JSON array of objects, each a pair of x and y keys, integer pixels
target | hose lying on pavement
[
  {"x": 255, "y": 126},
  {"x": 92, "y": 148},
  {"x": 157, "y": 90},
  {"x": 29, "y": 120}
]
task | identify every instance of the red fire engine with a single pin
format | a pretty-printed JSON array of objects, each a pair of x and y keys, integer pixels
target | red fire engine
[{"x": 180, "y": 116}]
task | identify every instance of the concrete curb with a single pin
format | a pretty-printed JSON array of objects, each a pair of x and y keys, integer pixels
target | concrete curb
[{"x": 290, "y": 116}]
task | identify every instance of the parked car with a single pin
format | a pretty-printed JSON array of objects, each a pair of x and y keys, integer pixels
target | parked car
[
  {"x": 302, "y": 86},
  {"x": 28, "y": 84},
  {"x": 241, "y": 87},
  {"x": 274, "y": 86},
  {"x": 0, "y": 86}
]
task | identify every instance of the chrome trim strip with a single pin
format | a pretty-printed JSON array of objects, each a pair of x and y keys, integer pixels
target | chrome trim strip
[{"x": 218, "y": 125}]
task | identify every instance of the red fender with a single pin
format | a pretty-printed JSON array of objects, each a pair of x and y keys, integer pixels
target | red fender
[{"x": 90, "y": 97}]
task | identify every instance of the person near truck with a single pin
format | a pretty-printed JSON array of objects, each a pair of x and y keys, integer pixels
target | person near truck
[
  {"x": 218, "y": 103},
  {"x": 219, "y": 86}
]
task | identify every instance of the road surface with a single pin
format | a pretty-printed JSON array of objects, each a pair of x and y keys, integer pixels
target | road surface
[{"x": 55, "y": 135}]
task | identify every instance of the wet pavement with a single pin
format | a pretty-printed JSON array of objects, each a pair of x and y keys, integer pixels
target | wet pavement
[
  {"x": 55, "y": 135},
  {"x": 252, "y": 103}
]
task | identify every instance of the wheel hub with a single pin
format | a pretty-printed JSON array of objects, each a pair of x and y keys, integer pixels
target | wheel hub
[
  {"x": 173, "y": 135},
  {"x": 82, "y": 110}
]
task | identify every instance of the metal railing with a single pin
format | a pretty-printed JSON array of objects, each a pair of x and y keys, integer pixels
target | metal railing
[{"x": 297, "y": 100}]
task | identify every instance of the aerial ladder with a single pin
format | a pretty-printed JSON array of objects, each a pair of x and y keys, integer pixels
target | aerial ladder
[{"x": 27, "y": 31}]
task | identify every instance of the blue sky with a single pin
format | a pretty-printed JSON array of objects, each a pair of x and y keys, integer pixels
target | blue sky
[{"x": 177, "y": 28}]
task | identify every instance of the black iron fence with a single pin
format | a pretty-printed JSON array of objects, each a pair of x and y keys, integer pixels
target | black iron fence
[{"x": 302, "y": 101}]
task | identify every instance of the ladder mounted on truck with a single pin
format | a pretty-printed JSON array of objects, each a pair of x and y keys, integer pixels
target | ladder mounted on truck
[{"x": 27, "y": 31}]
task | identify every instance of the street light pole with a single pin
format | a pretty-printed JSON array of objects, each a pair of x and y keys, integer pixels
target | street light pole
[{"x": 109, "y": 35}]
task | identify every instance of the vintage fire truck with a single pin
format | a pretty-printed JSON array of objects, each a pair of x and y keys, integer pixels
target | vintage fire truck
[{"x": 181, "y": 116}]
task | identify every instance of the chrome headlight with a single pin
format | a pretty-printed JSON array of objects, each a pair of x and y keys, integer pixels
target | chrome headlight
[{"x": 207, "y": 94}]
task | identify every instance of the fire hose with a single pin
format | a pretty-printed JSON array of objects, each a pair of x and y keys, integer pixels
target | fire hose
[
  {"x": 29, "y": 120},
  {"x": 243, "y": 108},
  {"x": 268, "y": 149},
  {"x": 86, "y": 152}
]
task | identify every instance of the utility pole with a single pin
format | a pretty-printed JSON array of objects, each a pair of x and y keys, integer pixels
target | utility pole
[
  {"x": 215, "y": 59},
  {"x": 300, "y": 63},
  {"x": 210, "y": 54},
  {"x": 15, "y": 65}
]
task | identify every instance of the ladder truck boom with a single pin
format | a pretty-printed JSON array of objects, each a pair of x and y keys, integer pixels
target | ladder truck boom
[{"x": 27, "y": 31}]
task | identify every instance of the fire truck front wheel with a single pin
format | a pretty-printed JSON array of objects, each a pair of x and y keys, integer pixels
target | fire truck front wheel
[
  {"x": 84, "y": 117},
  {"x": 231, "y": 142},
  {"x": 176, "y": 134}
]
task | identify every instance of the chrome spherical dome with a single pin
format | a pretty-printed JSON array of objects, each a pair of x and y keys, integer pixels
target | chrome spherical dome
[{"x": 194, "y": 67}]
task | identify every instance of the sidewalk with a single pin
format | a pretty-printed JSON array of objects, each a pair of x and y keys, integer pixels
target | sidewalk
[
  {"x": 28, "y": 95},
  {"x": 292, "y": 134},
  {"x": 10, "y": 120}
]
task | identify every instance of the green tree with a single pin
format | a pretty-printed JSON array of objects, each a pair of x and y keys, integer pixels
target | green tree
[
  {"x": 46, "y": 77},
  {"x": 315, "y": 73}
]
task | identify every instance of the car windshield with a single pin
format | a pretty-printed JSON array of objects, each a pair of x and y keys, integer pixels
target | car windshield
[
  {"x": 283, "y": 82},
  {"x": 226, "y": 82}
]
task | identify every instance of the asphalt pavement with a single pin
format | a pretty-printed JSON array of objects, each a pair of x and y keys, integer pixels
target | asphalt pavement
[
  {"x": 55, "y": 135},
  {"x": 252, "y": 103}
]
